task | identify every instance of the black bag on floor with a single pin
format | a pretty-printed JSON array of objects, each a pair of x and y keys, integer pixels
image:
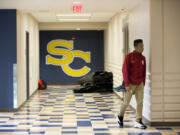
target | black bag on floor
[{"x": 99, "y": 81}]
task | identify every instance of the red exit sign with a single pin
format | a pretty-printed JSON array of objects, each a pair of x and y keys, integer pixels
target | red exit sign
[{"x": 77, "y": 6}]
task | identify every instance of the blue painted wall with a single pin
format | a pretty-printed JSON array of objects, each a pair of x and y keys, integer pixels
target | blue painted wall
[
  {"x": 92, "y": 41},
  {"x": 7, "y": 56}
]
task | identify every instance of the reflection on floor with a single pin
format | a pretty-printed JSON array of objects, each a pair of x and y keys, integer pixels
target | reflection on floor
[{"x": 58, "y": 111}]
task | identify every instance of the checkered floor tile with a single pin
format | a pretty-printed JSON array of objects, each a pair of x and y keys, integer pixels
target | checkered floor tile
[{"x": 59, "y": 111}]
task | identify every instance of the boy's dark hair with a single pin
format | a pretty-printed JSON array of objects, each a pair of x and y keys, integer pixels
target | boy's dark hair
[{"x": 137, "y": 41}]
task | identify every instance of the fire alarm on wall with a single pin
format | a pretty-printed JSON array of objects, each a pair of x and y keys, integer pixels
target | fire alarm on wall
[{"x": 73, "y": 37}]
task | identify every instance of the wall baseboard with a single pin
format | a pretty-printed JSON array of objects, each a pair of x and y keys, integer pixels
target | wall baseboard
[{"x": 8, "y": 110}]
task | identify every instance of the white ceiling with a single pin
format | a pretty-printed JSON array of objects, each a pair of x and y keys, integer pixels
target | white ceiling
[{"x": 46, "y": 10}]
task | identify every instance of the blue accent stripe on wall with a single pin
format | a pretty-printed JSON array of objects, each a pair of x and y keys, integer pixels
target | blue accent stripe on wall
[{"x": 7, "y": 56}]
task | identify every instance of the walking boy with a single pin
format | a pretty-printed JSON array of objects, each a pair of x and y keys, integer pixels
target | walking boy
[{"x": 134, "y": 75}]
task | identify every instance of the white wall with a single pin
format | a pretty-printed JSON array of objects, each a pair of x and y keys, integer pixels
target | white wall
[
  {"x": 114, "y": 48},
  {"x": 165, "y": 31},
  {"x": 157, "y": 22},
  {"x": 139, "y": 27},
  {"x": 26, "y": 22}
]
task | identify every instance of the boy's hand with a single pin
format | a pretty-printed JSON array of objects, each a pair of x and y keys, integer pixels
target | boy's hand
[{"x": 128, "y": 88}]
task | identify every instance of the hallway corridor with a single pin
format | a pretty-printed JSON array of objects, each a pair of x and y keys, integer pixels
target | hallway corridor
[{"x": 58, "y": 111}]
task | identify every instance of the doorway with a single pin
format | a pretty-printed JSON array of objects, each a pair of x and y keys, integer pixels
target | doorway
[
  {"x": 27, "y": 65},
  {"x": 125, "y": 37}
]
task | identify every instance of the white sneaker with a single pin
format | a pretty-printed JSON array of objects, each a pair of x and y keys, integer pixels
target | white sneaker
[{"x": 140, "y": 125}]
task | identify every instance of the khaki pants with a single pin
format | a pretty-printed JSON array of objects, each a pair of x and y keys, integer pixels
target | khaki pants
[{"x": 138, "y": 90}]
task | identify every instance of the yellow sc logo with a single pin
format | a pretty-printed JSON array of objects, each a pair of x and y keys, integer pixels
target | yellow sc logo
[{"x": 68, "y": 55}]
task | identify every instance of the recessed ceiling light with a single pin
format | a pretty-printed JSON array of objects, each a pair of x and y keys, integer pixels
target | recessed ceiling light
[
  {"x": 72, "y": 15},
  {"x": 72, "y": 20}
]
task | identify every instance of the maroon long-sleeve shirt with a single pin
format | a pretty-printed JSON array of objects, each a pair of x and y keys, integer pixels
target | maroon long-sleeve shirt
[{"x": 134, "y": 69}]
